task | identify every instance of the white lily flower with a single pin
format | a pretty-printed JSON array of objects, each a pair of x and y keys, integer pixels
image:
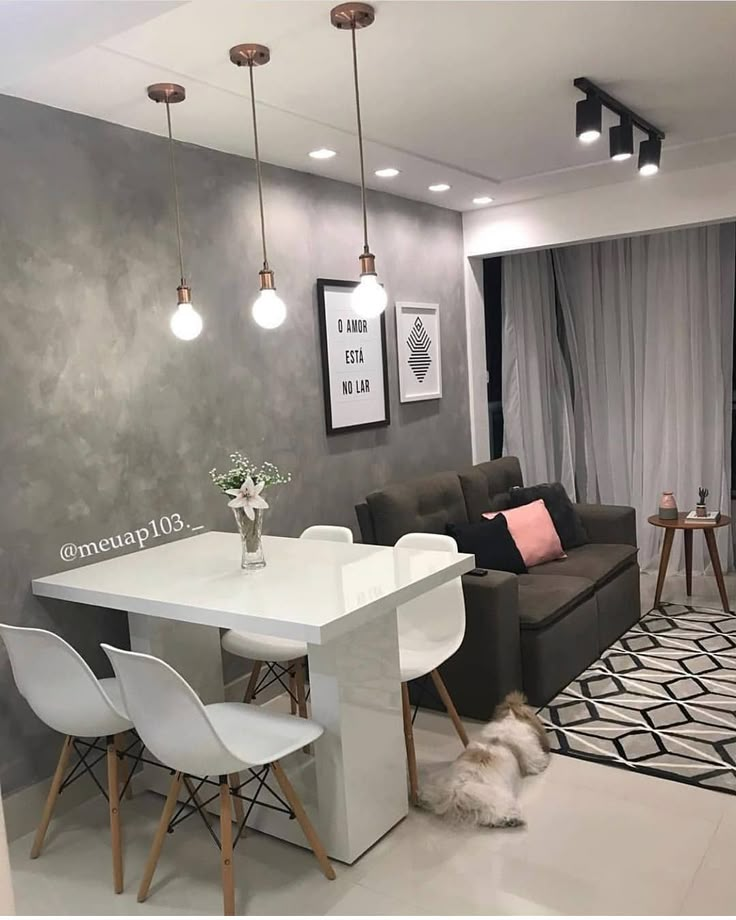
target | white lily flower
[{"x": 248, "y": 497}]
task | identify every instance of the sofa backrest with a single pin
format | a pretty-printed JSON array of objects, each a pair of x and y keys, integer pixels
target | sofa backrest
[
  {"x": 481, "y": 483},
  {"x": 423, "y": 505}
]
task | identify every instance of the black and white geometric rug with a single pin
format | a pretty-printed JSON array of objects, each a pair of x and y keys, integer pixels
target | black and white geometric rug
[{"x": 661, "y": 700}]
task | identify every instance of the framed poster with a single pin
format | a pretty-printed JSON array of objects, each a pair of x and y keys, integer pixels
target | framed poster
[
  {"x": 354, "y": 368},
  {"x": 420, "y": 355}
]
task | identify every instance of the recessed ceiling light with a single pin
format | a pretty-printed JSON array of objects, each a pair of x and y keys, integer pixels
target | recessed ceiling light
[
  {"x": 324, "y": 153},
  {"x": 484, "y": 199},
  {"x": 387, "y": 173},
  {"x": 440, "y": 187}
]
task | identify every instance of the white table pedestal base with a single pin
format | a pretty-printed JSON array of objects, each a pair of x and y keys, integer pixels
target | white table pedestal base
[{"x": 354, "y": 787}]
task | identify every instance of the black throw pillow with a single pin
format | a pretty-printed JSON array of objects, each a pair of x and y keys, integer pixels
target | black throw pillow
[
  {"x": 568, "y": 525},
  {"x": 491, "y": 544}
]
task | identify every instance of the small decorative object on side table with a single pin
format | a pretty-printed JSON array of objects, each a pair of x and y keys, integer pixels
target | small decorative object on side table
[
  {"x": 668, "y": 507},
  {"x": 245, "y": 482},
  {"x": 701, "y": 510},
  {"x": 687, "y": 524}
]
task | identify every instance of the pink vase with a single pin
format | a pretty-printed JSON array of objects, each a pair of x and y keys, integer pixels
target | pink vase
[{"x": 668, "y": 507}]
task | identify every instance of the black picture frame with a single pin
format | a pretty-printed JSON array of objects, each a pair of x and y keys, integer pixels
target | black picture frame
[{"x": 324, "y": 284}]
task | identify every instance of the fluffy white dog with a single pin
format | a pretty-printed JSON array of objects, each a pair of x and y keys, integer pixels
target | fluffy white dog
[{"x": 481, "y": 786}]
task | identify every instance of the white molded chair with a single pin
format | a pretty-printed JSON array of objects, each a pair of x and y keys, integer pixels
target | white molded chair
[
  {"x": 199, "y": 741},
  {"x": 61, "y": 689},
  {"x": 281, "y": 656},
  {"x": 431, "y": 629}
]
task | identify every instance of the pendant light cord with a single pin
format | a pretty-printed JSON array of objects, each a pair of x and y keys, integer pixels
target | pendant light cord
[
  {"x": 366, "y": 248},
  {"x": 258, "y": 165},
  {"x": 176, "y": 192}
]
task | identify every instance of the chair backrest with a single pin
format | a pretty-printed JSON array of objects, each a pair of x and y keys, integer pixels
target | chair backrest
[
  {"x": 327, "y": 532},
  {"x": 436, "y": 618},
  {"x": 59, "y": 685},
  {"x": 167, "y": 714}
]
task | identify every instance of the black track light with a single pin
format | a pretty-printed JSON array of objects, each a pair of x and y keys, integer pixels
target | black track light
[
  {"x": 588, "y": 119},
  {"x": 650, "y": 152},
  {"x": 621, "y": 140}
]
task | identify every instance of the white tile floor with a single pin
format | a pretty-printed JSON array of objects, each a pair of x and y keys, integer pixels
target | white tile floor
[{"x": 599, "y": 840}]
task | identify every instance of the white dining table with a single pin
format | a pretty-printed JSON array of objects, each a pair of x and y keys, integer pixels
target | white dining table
[{"x": 341, "y": 599}]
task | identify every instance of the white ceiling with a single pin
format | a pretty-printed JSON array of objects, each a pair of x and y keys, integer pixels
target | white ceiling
[{"x": 475, "y": 94}]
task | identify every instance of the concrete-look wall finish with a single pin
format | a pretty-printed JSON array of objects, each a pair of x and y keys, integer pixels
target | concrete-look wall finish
[{"x": 109, "y": 422}]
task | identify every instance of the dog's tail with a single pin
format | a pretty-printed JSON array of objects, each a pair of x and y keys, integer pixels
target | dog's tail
[{"x": 514, "y": 702}]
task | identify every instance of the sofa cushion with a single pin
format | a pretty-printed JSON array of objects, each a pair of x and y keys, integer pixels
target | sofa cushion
[
  {"x": 545, "y": 598},
  {"x": 424, "y": 505},
  {"x": 532, "y": 531},
  {"x": 491, "y": 543},
  {"x": 561, "y": 509},
  {"x": 599, "y": 562},
  {"x": 482, "y": 483}
]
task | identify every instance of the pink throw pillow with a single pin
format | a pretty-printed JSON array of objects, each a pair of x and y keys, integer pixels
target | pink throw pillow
[{"x": 532, "y": 530}]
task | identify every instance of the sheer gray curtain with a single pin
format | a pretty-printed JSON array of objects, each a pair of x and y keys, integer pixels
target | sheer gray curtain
[
  {"x": 648, "y": 324},
  {"x": 537, "y": 408}
]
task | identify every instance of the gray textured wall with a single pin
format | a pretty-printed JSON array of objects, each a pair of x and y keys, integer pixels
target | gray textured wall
[{"x": 109, "y": 421}]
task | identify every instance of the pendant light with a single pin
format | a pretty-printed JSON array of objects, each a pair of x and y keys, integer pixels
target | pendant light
[
  {"x": 369, "y": 298},
  {"x": 269, "y": 309},
  {"x": 185, "y": 323}
]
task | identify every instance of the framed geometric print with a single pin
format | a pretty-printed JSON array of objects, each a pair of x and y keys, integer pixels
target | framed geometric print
[{"x": 419, "y": 351}]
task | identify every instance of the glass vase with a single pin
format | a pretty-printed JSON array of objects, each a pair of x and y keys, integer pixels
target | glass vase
[{"x": 250, "y": 535}]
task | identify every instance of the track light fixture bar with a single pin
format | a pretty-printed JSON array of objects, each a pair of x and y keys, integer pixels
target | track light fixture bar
[{"x": 623, "y": 111}]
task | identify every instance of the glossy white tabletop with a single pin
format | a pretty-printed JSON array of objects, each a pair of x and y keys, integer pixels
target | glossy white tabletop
[{"x": 309, "y": 590}]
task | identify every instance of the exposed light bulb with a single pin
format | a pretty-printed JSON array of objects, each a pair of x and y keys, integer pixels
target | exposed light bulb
[
  {"x": 185, "y": 322},
  {"x": 648, "y": 169},
  {"x": 269, "y": 310},
  {"x": 369, "y": 298}
]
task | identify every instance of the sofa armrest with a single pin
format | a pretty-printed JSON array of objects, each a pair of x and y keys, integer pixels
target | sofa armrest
[
  {"x": 609, "y": 523},
  {"x": 488, "y": 663}
]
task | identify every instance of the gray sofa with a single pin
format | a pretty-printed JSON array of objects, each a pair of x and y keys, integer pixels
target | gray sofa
[{"x": 535, "y": 631}]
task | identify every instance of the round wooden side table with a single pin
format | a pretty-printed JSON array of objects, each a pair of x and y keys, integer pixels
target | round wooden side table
[{"x": 687, "y": 528}]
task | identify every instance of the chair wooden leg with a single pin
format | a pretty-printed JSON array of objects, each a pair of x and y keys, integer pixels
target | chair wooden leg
[
  {"x": 301, "y": 816},
  {"x": 238, "y": 811},
  {"x": 48, "y": 808},
  {"x": 113, "y": 799},
  {"x": 253, "y": 682},
  {"x": 450, "y": 706},
  {"x": 127, "y": 778},
  {"x": 411, "y": 755},
  {"x": 301, "y": 696},
  {"x": 292, "y": 688},
  {"x": 226, "y": 849},
  {"x": 158, "y": 840}
]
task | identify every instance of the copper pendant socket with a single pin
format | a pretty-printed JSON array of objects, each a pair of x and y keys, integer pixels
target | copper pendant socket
[
  {"x": 185, "y": 294},
  {"x": 368, "y": 264},
  {"x": 250, "y": 55},
  {"x": 167, "y": 92},
  {"x": 352, "y": 16},
  {"x": 267, "y": 280}
]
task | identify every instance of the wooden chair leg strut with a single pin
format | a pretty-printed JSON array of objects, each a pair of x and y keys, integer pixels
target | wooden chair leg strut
[
  {"x": 158, "y": 840},
  {"x": 48, "y": 809},
  {"x": 411, "y": 756},
  {"x": 238, "y": 811},
  {"x": 450, "y": 706},
  {"x": 253, "y": 682},
  {"x": 226, "y": 849},
  {"x": 301, "y": 816},
  {"x": 113, "y": 798}
]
